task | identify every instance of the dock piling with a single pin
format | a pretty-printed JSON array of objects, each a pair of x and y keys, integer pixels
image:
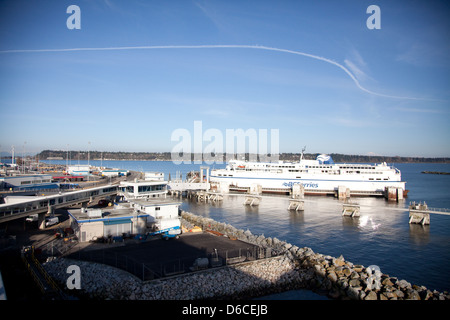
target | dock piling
[
  {"x": 296, "y": 205},
  {"x": 419, "y": 213},
  {"x": 351, "y": 210},
  {"x": 252, "y": 200}
]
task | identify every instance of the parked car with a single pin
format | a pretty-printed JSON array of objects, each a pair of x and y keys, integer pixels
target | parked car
[{"x": 103, "y": 203}]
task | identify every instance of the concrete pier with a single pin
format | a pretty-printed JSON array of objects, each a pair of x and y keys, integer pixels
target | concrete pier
[
  {"x": 351, "y": 210},
  {"x": 419, "y": 213},
  {"x": 298, "y": 191},
  {"x": 393, "y": 193},
  {"x": 252, "y": 200},
  {"x": 296, "y": 205},
  {"x": 203, "y": 196},
  {"x": 343, "y": 192}
]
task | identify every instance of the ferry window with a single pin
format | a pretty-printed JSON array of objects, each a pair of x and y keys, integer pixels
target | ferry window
[
  {"x": 370, "y": 178},
  {"x": 157, "y": 208}
]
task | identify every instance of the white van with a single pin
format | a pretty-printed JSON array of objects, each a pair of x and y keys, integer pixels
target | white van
[
  {"x": 32, "y": 218},
  {"x": 49, "y": 221}
]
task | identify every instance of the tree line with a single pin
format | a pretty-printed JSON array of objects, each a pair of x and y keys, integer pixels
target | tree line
[{"x": 122, "y": 155}]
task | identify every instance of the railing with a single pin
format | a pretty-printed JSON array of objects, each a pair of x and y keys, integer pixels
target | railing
[
  {"x": 443, "y": 210},
  {"x": 43, "y": 280},
  {"x": 150, "y": 271}
]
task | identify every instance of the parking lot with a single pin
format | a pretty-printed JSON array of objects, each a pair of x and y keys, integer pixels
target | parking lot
[{"x": 156, "y": 258}]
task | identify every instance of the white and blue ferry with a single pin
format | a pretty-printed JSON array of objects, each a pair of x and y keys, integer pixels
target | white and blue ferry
[{"x": 320, "y": 176}]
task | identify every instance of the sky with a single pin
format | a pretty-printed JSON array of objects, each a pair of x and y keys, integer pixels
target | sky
[{"x": 137, "y": 71}]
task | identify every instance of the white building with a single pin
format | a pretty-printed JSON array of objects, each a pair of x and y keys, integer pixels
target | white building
[
  {"x": 142, "y": 189},
  {"x": 155, "y": 176},
  {"x": 135, "y": 217},
  {"x": 90, "y": 224},
  {"x": 163, "y": 213},
  {"x": 114, "y": 172},
  {"x": 79, "y": 169}
]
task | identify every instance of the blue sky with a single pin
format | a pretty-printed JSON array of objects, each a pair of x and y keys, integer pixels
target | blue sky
[{"x": 356, "y": 91}]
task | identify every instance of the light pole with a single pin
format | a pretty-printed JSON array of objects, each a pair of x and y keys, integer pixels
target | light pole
[{"x": 89, "y": 166}]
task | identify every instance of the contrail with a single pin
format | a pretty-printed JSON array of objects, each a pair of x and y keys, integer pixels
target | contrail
[{"x": 355, "y": 80}]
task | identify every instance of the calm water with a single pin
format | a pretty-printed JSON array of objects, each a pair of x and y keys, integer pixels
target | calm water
[{"x": 381, "y": 236}]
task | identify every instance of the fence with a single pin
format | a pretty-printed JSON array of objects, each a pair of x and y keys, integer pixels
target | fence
[{"x": 156, "y": 270}]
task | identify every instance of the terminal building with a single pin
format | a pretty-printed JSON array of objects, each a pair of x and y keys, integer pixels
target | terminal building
[
  {"x": 143, "y": 189},
  {"x": 27, "y": 182}
]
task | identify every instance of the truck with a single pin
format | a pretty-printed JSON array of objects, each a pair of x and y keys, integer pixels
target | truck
[{"x": 167, "y": 233}]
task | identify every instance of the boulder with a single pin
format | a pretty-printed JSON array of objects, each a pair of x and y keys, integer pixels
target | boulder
[
  {"x": 403, "y": 284},
  {"x": 338, "y": 262},
  {"x": 412, "y": 295},
  {"x": 371, "y": 295},
  {"x": 354, "y": 283},
  {"x": 332, "y": 276},
  {"x": 353, "y": 293}
]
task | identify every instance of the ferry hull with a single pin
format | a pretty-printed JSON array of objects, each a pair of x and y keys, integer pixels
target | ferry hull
[{"x": 311, "y": 186}]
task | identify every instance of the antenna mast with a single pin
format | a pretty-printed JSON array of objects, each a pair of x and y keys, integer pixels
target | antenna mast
[{"x": 303, "y": 150}]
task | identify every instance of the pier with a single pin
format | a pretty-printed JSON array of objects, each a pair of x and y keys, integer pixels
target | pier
[
  {"x": 351, "y": 210},
  {"x": 204, "y": 196},
  {"x": 419, "y": 213}
]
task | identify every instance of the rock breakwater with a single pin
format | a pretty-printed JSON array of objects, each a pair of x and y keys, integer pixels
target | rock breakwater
[
  {"x": 334, "y": 277},
  {"x": 290, "y": 267}
]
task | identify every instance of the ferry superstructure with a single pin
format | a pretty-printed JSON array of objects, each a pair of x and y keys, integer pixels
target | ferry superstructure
[{"x": 320, "y": 176}]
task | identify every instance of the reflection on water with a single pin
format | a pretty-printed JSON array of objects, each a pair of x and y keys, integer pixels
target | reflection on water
[{"x": 419, "y": 235}]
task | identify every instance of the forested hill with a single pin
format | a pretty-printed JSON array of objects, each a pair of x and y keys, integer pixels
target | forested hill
[{"x": 340, "y": 158}]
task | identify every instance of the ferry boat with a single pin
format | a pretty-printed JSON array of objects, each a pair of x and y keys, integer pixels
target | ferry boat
[{"x": 321, "y": 176}]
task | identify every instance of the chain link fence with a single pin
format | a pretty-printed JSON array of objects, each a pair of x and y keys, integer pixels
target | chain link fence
[{"x": 157, "y": 270}]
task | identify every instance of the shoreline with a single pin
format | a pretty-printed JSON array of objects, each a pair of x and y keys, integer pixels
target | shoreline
[{"x": 288, "y": 268}]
